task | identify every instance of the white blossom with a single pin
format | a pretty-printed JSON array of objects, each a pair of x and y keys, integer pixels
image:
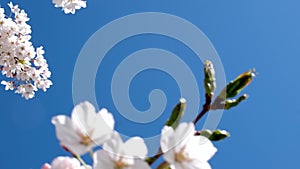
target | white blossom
[
  {"x": 65, "y": 163},
  {"x": 24, "y": 66},
  {"x": 8, "y": 85},
  {"x": 70, "y": 6},
  {"x": 183, "y": 150},
  {"x": 120, "y": 155},
  {"x": 85, "y": 130}
]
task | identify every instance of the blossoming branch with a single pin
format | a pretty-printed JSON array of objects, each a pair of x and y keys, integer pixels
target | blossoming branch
[
  {"x": 182, "y": 146},
  {"x": 24, "y": 66}
]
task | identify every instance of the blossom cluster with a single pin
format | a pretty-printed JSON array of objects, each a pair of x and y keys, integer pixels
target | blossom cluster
[
  {"x": 23, "y": 65},
  {"x": 87, "y": 129},
  {"x": 69, "y": 6}
]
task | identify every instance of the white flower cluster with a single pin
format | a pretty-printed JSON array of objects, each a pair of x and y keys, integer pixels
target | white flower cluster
[
  {"x": 24, "y": 66},
  {"x": 87, "y": 129},
  {"x": 69, "y": 6}
]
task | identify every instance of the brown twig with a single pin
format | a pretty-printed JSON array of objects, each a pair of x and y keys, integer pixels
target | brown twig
[
  {"x": 205, "y": 109},
  {"x": 151, "y": 160},
  {"x": 163, "y": 165}
]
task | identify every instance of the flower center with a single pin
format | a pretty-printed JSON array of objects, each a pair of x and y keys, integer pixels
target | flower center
[
  {"x": 120, "y": 164},
  {"x": 181, "y": 155},
  {"x": 85, "y": 140}
]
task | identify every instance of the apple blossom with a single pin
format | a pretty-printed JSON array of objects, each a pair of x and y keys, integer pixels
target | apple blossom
[
  {"x": 120, "y": 155},
  {"x": 183, "y": 150},
  {"x": 85, "y": 129}
]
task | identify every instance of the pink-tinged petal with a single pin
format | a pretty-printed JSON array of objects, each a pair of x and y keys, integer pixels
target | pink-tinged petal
[
  {"x": 76, "y": 147},
  {"x": 65, "y": 163},
  {"x": 135, "y": 147},
  {"x": 102, "y": 160},
  {"x": 140, "y": 164},
  {"x": 46, "y": 166},
  {"x": 166, "y": 141}
]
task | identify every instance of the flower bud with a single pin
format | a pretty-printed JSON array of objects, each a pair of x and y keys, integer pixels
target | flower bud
[
  {"x": 209, "y": 78},
  {"x": 218, "y": 135},
  {"x": 177, "y": 113},
  {"x": 234, "y": 87}
]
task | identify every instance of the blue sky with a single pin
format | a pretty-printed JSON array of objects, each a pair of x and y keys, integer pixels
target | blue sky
[{"x": 260, "y": 34}]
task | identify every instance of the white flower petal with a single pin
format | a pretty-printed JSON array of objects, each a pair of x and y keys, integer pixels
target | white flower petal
[
  {"x": 107, "y": 117},
  {"x": 177, "y": 165},
  {"x": 136, "y": 147},
  {"x": 70, "y": 6},
  {"x": 189, "y": 151},
  {"x": 183, "y": 133},
  {"x": 199, "y": 165},
  {"x": 65, "y": 129},
  {"x": 67, "y": 134},
  {"x": 166, "y": 142},
  {"x": 65, "y": 163},
  {"x": 83, "y": 115},
  {"x": 101, "y": 130},
  {"x": 205, "y": 148},
  {"x": 169, "y": 156},
  {"x": 102, "y": 160},
  {"x": 114, "y": 145},
  {"x": 85, "y": 130},
  {"x": 124, "y": 155}
]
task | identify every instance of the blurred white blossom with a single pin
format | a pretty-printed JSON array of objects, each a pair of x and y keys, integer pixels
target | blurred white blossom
[
  {"x": 65, "y": 163},
  {"x": 183, "y": 150},
  {"x": 69, "y": 6},
  {"x": 24, "y": 66},
  {"x": 120, "y": 155},
  {"x": 85, "y": 130}
]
